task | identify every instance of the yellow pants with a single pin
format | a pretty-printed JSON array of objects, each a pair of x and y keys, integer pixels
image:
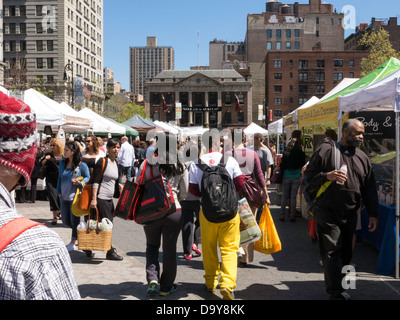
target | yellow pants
[{"x": 226, "y": 236}]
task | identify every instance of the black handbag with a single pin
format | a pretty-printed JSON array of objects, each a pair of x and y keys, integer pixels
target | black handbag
[
  {"x": 147, "y": 201},
  {"x": 42, "y": 173},
  {"x": 124, "y": 205}
]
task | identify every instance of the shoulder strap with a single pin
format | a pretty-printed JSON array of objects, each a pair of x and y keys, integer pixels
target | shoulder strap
[
  {"x": 13, "y": 229},
  {"x": 337, "y": 155}
]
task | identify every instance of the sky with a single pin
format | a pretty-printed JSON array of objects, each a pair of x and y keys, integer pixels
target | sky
[{"x": 187, "y": 25}]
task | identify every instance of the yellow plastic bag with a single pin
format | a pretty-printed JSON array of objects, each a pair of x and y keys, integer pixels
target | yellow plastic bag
[
  {"x": 75, "y": 208},
  {"x": 269, "y": 241}
]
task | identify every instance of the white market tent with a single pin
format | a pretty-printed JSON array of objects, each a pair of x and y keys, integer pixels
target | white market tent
[
  {"x": 100, "y": 124},
  {"x": 382, "y": 95},
  {"x": 253, "y": 128},
  {"x": 167, "y": 127},
  {"x": 51, "y": 113},
  {"x": 276, "y": 127},
  {"x": 193, "y": 131}
]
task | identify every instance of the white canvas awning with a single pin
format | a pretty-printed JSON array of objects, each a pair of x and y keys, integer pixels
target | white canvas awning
[
  {"x": 253, "y": 128},
  {"x": 101, "y": 124}
]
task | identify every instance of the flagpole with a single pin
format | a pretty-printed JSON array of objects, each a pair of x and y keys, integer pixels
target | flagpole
[{"x": 198, "y": 51}]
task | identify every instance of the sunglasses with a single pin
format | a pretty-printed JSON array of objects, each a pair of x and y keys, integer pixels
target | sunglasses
[{"x": 88, "y": 141}]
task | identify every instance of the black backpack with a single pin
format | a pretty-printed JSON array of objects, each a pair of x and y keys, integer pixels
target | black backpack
[{"x": 218, "y": 194}]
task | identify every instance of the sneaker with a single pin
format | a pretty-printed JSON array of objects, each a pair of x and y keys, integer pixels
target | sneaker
[
  {"x": 196, "y": 249},
  {"x": 226, "y": 294},
  {"x": 112, "y": 255},
  {"x": 188, "y": 257},
  {"x": 167, "y": 293},
  {"x": 71, "y": 246},
  {"x": 153, "y": 287}
]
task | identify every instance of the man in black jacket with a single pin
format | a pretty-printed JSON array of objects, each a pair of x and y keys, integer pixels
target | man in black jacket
[{"x": 336, "y": 209}]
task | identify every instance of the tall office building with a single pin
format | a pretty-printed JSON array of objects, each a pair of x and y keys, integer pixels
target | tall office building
[
  {"x": 148, "y": 62},
  {"x": 55, "y": 44}
]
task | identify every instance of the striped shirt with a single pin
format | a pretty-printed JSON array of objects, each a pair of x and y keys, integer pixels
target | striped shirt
[{"x": 36, "y": 265}]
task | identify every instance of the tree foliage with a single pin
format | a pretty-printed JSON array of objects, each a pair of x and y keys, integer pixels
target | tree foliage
[
  {"x": 120, "y": 109},
  {"x": 380, "y": 47}
]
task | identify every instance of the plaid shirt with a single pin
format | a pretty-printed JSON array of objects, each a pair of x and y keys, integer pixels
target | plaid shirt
[{"x": 36, "y": 265}]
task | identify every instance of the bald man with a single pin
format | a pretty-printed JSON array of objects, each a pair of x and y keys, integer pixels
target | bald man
[{"x": 336, "y": 210}]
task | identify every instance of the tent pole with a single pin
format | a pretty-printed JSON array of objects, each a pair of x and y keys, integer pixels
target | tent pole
[{"x": 397, "y": 191}]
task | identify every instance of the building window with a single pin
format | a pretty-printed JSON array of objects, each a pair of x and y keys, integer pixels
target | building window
[
  {"x": 228, "y": 98},
  {"x": 50, "y": 46},
  {"x": 338, "y": 76},
  {"x": 303, "y": 89},
  {"x": 240, "y": 117},
  {"x": 278, "y": 89},
  {"x": 277, "y": 101},
  {"x": 227, "y": 117},
  {"x": 297, "y": 45},
  {"x": 297, "y": 33},
  {"x": 351, "y": 63},
  {"x": 288, "y": 33},
  {"x": 278, "y": 45},
  {"x": 302, "y": 101},
  {"x": 212, "y": 99},
  {"x": 303, "y": 64},
  {"x": 288, "y": 45},
  {"x": 277, "y": 113},
  {"x": 39, "y": 28},
  {"x": 320, "y": 89},
  {"x": 156, "y": 99},
  {"x": 338, "y": 63},
  {"x": 39, "y": 45},
  {"x": 184, "y": 99},
  {"x": 278, "y": 33},
  {"x": 351, "y": 74},
  {"x": 39, "y": 10},
  {"x": 156, "y": 116},
  {"x": 303, "y": 76},
  {"x": 269, "y": 33},
  {"x": 39, "y": 63},
  {"x": 269, "y": 45},
  {"x": 317, "y": 20},
  {"x": 278, "y": 64},
  {"x": 277, "y": 76},
  {"x": 320, "y": 63},
  {"x": 320, "y": 76}
]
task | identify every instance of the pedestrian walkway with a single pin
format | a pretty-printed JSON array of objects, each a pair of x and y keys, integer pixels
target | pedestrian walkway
[{"x": 292, "y": 274}]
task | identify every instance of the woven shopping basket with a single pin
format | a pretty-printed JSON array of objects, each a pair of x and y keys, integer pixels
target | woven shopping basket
[{"x": 96, "y": 240}]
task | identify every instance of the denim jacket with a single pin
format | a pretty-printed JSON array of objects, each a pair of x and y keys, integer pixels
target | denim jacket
[{"x": 64, "y": 180}]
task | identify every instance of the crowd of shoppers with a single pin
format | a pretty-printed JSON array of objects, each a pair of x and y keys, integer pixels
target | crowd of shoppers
[{"x": 244, "y": 161}]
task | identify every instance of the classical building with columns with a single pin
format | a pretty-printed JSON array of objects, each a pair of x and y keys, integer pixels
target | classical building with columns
[{"x": 209, "y": 98}]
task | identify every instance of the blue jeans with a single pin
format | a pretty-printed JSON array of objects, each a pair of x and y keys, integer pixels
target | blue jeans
[
  {"x": 127, "y": 171},
  {"x": 69, "y": 219},
  {"x": 290, "y": 187}
]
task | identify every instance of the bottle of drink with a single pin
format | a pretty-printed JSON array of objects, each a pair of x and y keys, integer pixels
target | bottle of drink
[{"x": 344, "y": 169}]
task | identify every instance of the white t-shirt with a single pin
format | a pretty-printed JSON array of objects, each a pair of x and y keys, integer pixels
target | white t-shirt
[{"x": 212, "y": 159}]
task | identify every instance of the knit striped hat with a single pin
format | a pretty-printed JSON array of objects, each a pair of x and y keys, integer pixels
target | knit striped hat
[{"x": 17, "y": 136}]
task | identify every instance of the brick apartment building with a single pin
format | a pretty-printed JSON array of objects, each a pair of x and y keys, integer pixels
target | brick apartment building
[
  {"x": 293, "y": 30},
  {"x": 390, "y": 25},
  {"x": 294, "y": 77}
]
